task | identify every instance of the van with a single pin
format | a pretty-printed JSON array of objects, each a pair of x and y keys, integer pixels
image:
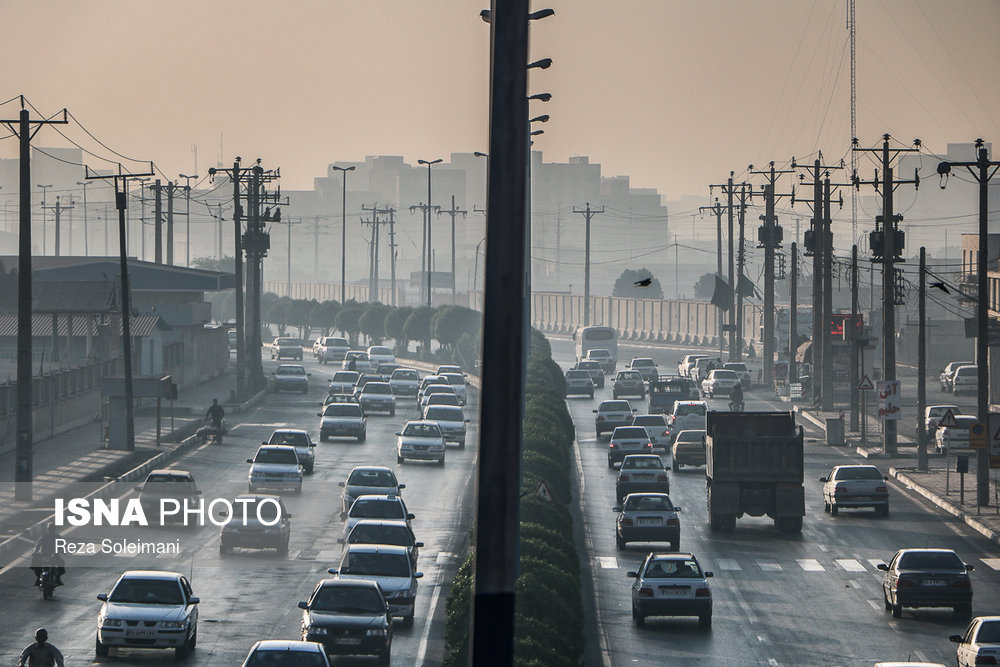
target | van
[{"x": 589, "y": 338}]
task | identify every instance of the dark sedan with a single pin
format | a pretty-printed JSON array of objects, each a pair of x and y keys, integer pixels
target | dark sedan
[{"x": 927, "y": 578}]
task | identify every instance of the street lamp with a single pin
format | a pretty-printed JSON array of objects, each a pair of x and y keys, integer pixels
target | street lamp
[
  {"x": 343, "y": 234},
  {"x": 44, "y": 190},
  {"x": 187, "y": 190},
  {"x": 429, "y": 163}
]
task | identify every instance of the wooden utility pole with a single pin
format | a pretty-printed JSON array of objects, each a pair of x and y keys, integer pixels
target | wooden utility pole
[
  {"x": 587, "y": 213},
  {"x": 58, "y": 208},
  {"x": 453, "y": 211},
  {"x": 922, "y": 362}
]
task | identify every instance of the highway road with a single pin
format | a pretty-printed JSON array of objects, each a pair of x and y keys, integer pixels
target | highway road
[
  {"x": 252, "y": 595},
  {"x": 779, "y": 599}
]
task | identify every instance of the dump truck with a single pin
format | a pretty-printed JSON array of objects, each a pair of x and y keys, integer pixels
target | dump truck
[{"x": 754, "y": 467}]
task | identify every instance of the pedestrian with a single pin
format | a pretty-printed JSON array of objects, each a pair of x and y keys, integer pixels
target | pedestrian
[{"x": 41, "y": 653}]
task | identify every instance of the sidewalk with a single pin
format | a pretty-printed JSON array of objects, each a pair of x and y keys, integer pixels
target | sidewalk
[
  {"x": 84, "y": 460},
  {"x": 937, "y": 484}
]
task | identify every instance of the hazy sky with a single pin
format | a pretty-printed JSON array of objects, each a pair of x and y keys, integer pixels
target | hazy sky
[{"x": 673, "y": 93}]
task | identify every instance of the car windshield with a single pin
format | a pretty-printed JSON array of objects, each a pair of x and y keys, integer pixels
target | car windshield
[
  {"x": 598, "y": 354},
  {"x": 615, "y": 406},
  {"x": 343, "y": 410},
  {"x": 372, "y": 478},
  {"x": 272, "y": 455},
  {"x": 642, "y": 463},
  {"x": 630, "y": 432},
  {"x": 673, "y": 569},
  {"x": 965, "y": 371},
  {"x": 381, "y": 565},
  {"x": 377, "y": 509},
  {"x": 153, "y": 479},
  {"x": 147, "y": 591},
  {"x": 377, "y": 388},
  {"x": 346, "y": 376},
  {"x": 742, "y": 368},
  {"x": 399, "y": 536},
  {"x": 649, "y": 420},
  {"x": 439, "y": 389},
  {"x": 380, "y": 350},
  {"x": 989, "y": 632},
  {"x": 444, "y": 413},
  {"x": 642, "y": 362},
  {"x": 939, "y": 410},
  {"x": 667, "y": 387},
  {"x": 442, "y": 399},
  {"x": 285, "y": 658},
  {"x": 285, "y": 341},
  {"x": 577, "y": 375},
  {"x": 725, "y": 375},
  {"x": 404, "y": 375},
  {"x": 683, "y": 410},
  {"x": 691, "y": 436},
  {"x": 930, "y": 560},
  {"x": 861, "y": 472},
  {"x": 289, "y": 438},
  {"x": 348, "y": 600},
  {"x": 423, "y": 430},
  {"x": 964, "y": 422},
  {"x": 629, "y": 375},
  {"x": 291, "y": 370},
  {"x": 267, "y": 511},
  {"x": 589, "y": 366},
  {"x": 648, "y": 503}
]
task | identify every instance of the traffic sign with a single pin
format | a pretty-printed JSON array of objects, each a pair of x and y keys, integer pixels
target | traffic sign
[
  {"x": 994, "y": 431},
  {"x": 866, "y": 384},
  {"x": 948, "y": 419},
  {"x": 977, "y": 436},
  {"x": 543, "y": 491}
]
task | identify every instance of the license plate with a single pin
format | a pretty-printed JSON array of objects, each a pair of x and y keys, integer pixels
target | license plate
[
  {"x": 934, "y": 582},
  {"x": 140, "y": 634},
  {"x": 643, "y": 476},
  {"x": 420, "y": 448},
  {"x": 650, "y": 522},
  {"x": 347, "y": 641},
  {"x": 673, "y": 591}
]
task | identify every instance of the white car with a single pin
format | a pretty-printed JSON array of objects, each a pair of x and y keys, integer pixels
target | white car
[
  {"x": 421, "y": 440},
  {"x": 435, "y": 389},
  {"x": 627, "y": 440},
  {"x": 148, "y": 609},
  {"x": 331, "y": 348},
  {"x": 685, "y": 365},
  {"x": 948, "y": 373},
  {"x": 671, "y": 584},
  {"x": 345, "y": 419},
  {"x": 934, "y": 413},
  {"x": 404, "y": 382},
  {"x": 948, "y": 438},
  {"x": 427, "y": 381},
  {"x": 720, "y": 382},
  {"x": 451, "y": 420},
  {"x": 740, "y": 369},
  {"x": 343, "y": 382},
  {"x": 441, "y": 370},
  {"x": 853, "y": 486},
  {"x": 656, "y": 428},
  {"x": 356, "y": 360},
  {"x": 379, "y": 354},
  {"x": 271, "y": 652},
  {"x": 387, "y": 506},
  {"x": 687, "y": 416},
  {"x": 275, "y": 467},
  {"x": 459, "y": 384},
  {"x": 980, "y": 643},
  {"x": 966, "y": 379},
  {"x": 646, "y": 367},
  {"x": 368, "y": 481},
  {"x": 388, "y": 565},
  {"x": 300, "y": 440}
]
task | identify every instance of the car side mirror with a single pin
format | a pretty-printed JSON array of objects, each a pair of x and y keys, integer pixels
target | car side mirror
[
  {"x": 312, "y": 444},
  {"x": 222, "y": 513},
  {"x": 398, "y": 433},
  {"x": 333, "y": 570},
  {"x": 401, "y": 486},
  {"x": 955, "y": 638},
  {"x": 594, "y": 411},
  {"x": 632, "y": 575},
  {"x": 678, "y": 509},
  {"x": 103, "y": 597},
  {"x": 341, "y": 484},
  {"x": 319, "y": 414},
  {"x": 249, "y": 460},
  {"x": 882, "y": 566},
  {"x": 616, "y": 509},
  {"x": 303, "y": 604},
  {"x": 411, "y": 517},
  {"x": 194, "y": 599},
  {"x": 419, "y": 545},
  {"x": 823, "y": 479},
  {"x": 709, "y": 574},
  {"x": 885, "y": 478},
  {"x": 970, "y": 568},
  {"x": 308, "y": 375},
  {"x": 418, "y": 575},
  {"x": 467, "y": 421}
]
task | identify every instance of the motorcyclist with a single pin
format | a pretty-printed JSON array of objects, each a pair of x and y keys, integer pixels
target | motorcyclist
[
  {"x": 41, "y": 653},
  {"x": 45, "y": 552},
  {"x": 215, "y": 413},
  {"x": 736, "y": 397}
]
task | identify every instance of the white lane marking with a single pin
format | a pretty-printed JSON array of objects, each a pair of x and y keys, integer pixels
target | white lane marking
[
  {"x": 728, "y": 564},
  {"x": 875, "y": 562},
  {"x": 875, "y": 605},
  {"x": 422, "y": 647},
  {"x": 772, "y": 662},
  {"x": 920, "y": 656},
  {"x": 608, "y": 562},
  {"x": 822, "y": 547},
  {"x": 330, "y": 556},
  {"x": 768, "y": 566},
  {"x": 992, "y": 562},
  {"x": 762, "y": 639},
  {"x": 811, "y": 565},
  {"x": 850, "y": 565},
  {"x": 443, "y": 557}
]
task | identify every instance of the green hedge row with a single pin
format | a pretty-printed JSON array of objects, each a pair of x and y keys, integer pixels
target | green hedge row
[{"x": 549, "y": 612}]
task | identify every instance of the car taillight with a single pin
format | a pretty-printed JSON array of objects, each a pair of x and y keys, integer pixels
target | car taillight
[
  {"x": 666, "y": 433},
  {"x": 986, "y": 660},
  {"x": 649, "y": 445},
  {"x": 703, "y": 593},
  {"x": 627, "y": 522},
  {"x": 903, "y": 583},
  {"x": 840, "y": 488},
  {"x": 962, "y": 583},
  {"x": 623, "y": 478},
  {"x": 673, "y": 522},
  {"x": 611, "y": 445},
  {"x": 645, "y": 592},
  {"x": 662, "y": 478}
]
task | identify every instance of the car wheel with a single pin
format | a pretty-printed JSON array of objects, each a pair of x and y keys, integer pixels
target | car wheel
[
  {"x": 885, "y": 510},
  {"x": 250, "y": 488},
  {"x": 183, "y": 650},
  {"x": 408, "y": 621},
  {"x": 392, "y": 413},
  {"x": 705, "y": 620},
  {"x": 309, "y": 470},
  {"x": 676, "y": 545},
  {"x": 283, "y": 547},
  {"x": 102, "y": 650},
  {"x": 461, "y": 443},
  {"x": 383, "y": 658},
  {"x": 224, "y": 548},
  {"x": 619, "y": 542},
  {"x": 897, "y": 610},
  {"x": 441, "y": 460},
  {"x": 834, "y": 510},
  {"x": 640, "y": 619},
  {"x": 826, "y": 507},
  {"x": 363, "y": 437},
  {"x": 399, "y": 459},
  {"x": 322, "y": 438},
  {"x": 590, "y": 395}
]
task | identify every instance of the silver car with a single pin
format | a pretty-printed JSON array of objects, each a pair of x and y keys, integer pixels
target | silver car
[
  {"x": 345, "y": 419},
  {"x": 148, "y": 609},
  {"x": 647, "y": 517},
  {"x": 298, "y": 438},
  {"x": 646, "y": 368},
  {"x": 420, "y": 440},
  {"x": 343, "y": 382},
  {"x": 459, "y": 384},
  {"x": 275, "y": 467},
  {"x": 948, "y": 438},
  {"x": 641, "y": 473},
  {"x": 452, "y": 421},
  {"x": 948, "y": 373},
  {"x": 627, "y": 440},
  {"x": 853, "y": 486},
  {"x": 579, "y": 382},
  {"x": 671, "y": 585},
  {"x": 404, "y": 382},
  {"x": 367, "y": 481},
  {"x": 656, "y": 428},
  {"x": 388, "y": 565}
]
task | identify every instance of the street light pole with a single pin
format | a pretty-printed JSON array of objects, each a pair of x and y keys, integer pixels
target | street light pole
[
  {"x": 343, "y": 234},
  {"x": 187, "y": 233},
  {"x": 430, "y": 272}
]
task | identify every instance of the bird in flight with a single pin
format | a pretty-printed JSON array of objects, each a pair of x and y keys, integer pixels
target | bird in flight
[
  {"x": 645, "y": 282},
  {"x": 941, "y": 286}
]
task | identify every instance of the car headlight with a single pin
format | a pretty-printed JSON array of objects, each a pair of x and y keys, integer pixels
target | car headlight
[
  {"x": 376, "y": 632},
  {"x": 111, "y": 622},
  {"x": 172, "y": 625},
  {"x": 316, "y": 630}
]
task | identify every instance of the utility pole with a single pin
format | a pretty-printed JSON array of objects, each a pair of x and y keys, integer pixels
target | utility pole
[
  {"x": 343, "y": 235},
  {"x": 158, "y": 221},
  {"x": 86, "y": 231},
  {"x": 58, "y": 208},
  {"x": 746, "y": 192},
  {"x": 21, "y": 127},
  {"x": 887, "y": 247},
  {"x": 187, "y": 214},
  {"x": 922, "y": 362},
  {"x": 171, "y": 186},
  {"x": 425, "y": 259},
  {"x": 587, "y": 213},
  {"x": 826, "y": 394},
  {"x": 729, "y": 189},
  {"x": 793, "y": 317},
  {"x": 717, "y": 210},
  {"x": 430, "y": 247},
  {"x": 372, "y": 251},
  {"x": 981, "y": 171},
  {"x": 453, "y": 212},
  {"x": 392, "y": 252},
  {"x": 770, "y": 236},
  {"x": 855, "y": 342}
]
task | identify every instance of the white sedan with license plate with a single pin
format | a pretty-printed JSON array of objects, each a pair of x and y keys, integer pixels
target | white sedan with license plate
[
  {"x": 148, "y": 609},
  {"x": 627, "y": 440},
  {"x": 421, "y": 440},
  {"x": 647, "y": 517},
  {"x": 671, "y": 585},
  {"x": 854, "y": 486}
]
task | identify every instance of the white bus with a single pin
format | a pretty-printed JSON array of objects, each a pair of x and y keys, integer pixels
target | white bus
[{"x": 592, "y": 338}]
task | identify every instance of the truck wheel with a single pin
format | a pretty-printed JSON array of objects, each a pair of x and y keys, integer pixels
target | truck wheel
[
  {"x": 714, "y": 523},
  {"x": 793, "y": 524}
]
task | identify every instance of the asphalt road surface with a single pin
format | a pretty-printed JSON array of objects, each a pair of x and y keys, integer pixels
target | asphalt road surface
[
  {"x": 779, "y": 599},
  {"x": 251, "y": 595}
]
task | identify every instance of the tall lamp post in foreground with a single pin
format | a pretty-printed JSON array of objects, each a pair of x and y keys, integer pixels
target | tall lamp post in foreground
[
  {"x": 343, "y": 234},
  {"x": 430, "y": 252}
]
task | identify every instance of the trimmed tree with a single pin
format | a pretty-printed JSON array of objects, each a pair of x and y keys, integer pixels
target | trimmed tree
[
  {"x": 278, "y": 314},
  {"x": 418, "y": 326},
  {"x": 348, "y": 321},
  {"x": 626, "y": 286},
  {"x": 299, "y": 312},
  {"x": 372, "y": 322},
  {"x": 323, "y": 316},
  {"x": 395, "y": 320},
  {"x": 450, "y": 323}
]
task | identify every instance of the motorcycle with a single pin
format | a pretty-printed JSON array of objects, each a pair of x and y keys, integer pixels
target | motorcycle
[
  {"x": 736, "y": 406},
  {"x": 47, "y": 580},
  {"x": 212, "y": 432}
]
